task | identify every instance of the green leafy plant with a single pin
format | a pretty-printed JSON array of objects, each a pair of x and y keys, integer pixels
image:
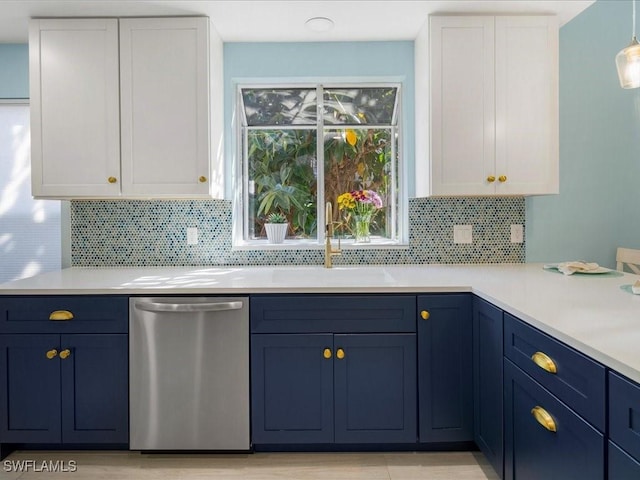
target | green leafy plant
[{"x": 276, "y": 217}]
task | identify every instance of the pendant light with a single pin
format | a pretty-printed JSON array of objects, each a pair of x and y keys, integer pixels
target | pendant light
[{"x": 628, "y": 59}]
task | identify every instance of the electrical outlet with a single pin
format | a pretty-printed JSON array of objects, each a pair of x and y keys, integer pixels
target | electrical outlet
[
  {"x": 462, "y": 234},
  {"x": 192, "y": 236},
  {"x": 517, "y": 233}
]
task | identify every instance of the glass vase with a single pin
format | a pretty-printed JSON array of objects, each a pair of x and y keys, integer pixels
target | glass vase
[{"x": 362, "y": 226}]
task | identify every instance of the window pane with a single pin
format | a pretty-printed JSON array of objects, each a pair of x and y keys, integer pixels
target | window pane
[
  {"x": 291, "y": 106},
  {"x": 358, "y": 106},
  {"x": 361, "y": 159},
  {"x": 282, "y": 178},
  {"x": 29, "y": 229}
]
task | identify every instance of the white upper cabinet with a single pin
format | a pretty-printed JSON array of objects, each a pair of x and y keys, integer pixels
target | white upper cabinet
[
  {"x": 164, "y": 102},
  {"x": 121, "y": 107},
  {"x": 493, "y": 106},
  {"x": 75, "y": 126}
]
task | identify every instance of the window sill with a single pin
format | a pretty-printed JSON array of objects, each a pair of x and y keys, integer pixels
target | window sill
[{"x": 314, "y": 245}]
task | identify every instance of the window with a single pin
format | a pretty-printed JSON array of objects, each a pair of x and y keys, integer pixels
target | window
[
  {"x": 29, "y": 229},
  {"x": 304, "y": 146}
]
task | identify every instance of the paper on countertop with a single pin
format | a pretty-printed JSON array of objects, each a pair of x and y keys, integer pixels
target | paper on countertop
[{"x": 569, "y": 268}]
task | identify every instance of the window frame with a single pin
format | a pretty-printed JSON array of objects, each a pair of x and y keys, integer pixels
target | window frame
[{"x": 240, "y": 201}]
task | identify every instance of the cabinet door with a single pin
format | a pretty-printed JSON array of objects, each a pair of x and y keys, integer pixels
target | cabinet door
[
  {"x": 527, "y": 105},
  {"x": 75, "y": 129},
  {"x": 532, "y": 452},
  {"x": 621, "y": 465},
  {"x": 462, "y": 105},
  {"x": 444, "y": 368},
  {"x": 487, "y": 381},
  {"x": 95, "y": 388},
  {"x": 30, "y": 393},
  {"x": 375, "y": 388},
  {"x": 165, "y": 106},
  {"x": 292, "y": 388}
]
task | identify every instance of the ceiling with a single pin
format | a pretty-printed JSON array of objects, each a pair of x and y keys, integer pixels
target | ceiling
[{"x": 282, "y": 21}]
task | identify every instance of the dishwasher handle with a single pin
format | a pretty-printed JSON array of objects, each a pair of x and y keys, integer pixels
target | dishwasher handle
[{"x": 187, "y": 307}]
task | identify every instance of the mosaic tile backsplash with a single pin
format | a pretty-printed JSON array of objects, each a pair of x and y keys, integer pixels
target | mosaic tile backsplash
[{"x": 153, "y": 233}]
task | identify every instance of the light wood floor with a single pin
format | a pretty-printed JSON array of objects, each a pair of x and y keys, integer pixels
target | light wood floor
[{"x": 257, "y": 466}]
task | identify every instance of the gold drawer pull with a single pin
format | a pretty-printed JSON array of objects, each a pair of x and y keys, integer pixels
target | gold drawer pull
[
  {"x": 545, "y": 362},
  {"x": 326, "y": 353},
  {"x": 61, "y": 315},
  {"x": 425, "y": 315},
  {"x": 202, "y": 179},
  {"x": 502, "y": 178},
  {"x": 112, "y": 180},
  {"x": 491, "y": 179},
  {"x": 340, "y": 354},
  {"x": 65, "y": 353},
  {"x": 544, "y": 418},
  {"x": 51, "y": 353}
]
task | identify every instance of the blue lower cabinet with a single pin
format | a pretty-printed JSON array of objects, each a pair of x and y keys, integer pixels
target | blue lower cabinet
[
  {"x": 375, "y": 388},
  {"x": 624, "y": 413},
  {"x": 30, "y": 389},
  {"x": 64, "y": 389},
  {"x": 545, "y": 439},
  {"x": 292, "y": 388},
  {"x": 445, "y": 369},
  {"x": 487, "y": 381},
  {"x": 622, "y": 466},
  {"x": 95, "y": 389},
  {"x": 325, "y": 388}
]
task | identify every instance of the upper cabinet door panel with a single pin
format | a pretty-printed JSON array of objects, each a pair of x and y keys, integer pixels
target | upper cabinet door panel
[
  {"x": 462, "y": 103},
  {"x": 75, "y": 138},
  {"x": 527, "y": 104},
  {"x": 165, "y": 106}
]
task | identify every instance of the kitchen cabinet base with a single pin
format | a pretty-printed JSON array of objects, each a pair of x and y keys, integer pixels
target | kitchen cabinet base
[
  {"x": 7, "y": 448},
  {"x": 369, "y": 447}
]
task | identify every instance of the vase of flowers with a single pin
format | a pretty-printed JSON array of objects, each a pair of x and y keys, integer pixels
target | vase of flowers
[
  {"x": 362, "y": 205},
  {"x": 276, "y": 227}
]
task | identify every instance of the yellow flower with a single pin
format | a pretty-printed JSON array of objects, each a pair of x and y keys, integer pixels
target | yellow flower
[
  {"x": 351, "y": 137},
  {"x": 346, "y": 200}
]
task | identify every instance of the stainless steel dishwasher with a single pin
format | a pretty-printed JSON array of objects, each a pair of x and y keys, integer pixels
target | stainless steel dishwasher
[{"x": 189, "y": 373}]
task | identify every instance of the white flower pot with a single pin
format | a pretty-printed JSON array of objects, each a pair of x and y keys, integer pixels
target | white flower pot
[{"x": 276, "y": 231}]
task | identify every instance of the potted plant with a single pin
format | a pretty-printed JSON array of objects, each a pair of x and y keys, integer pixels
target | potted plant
[{"x": 276, "y": 227}]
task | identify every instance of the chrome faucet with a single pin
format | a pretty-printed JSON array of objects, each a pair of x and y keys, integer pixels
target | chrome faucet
[{"x": 329, "y": 251}]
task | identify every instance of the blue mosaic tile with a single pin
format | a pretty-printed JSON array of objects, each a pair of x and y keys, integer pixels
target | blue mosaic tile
[{"x": 152, "y": 233}]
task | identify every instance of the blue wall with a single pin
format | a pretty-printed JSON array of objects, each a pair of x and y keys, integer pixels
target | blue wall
[
  {"x": 598, "y": 208},
  {"x": 265, "y": 62},
  {"x": 14, "y": 70}
]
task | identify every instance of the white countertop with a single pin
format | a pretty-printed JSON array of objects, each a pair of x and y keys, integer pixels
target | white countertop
[{"x": 589, "y": 312}]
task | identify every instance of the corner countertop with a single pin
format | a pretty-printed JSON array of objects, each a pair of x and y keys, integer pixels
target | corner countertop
[{"x": 591, "y": 313}]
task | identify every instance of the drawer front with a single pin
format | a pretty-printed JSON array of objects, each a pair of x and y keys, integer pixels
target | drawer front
[
  {"x": 333, "y": 313},
  {"x": 621, "y": 465},
  {"x": 575, "y": 450},
  {"x": 578, "y": 380},
  {"x": 624, "y": 414},
  {"x": 64, "y": 314}
]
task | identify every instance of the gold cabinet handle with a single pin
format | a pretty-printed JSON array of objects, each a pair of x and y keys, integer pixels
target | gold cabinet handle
[
  {"x": 326, "y": 353},
  {"x": 502, "y": 178},
  {"x": 425, "y": 315},
  {"x": 112, "y": 180},
  {"x": 61, "y": 315},
  {"x": 545, "y": 362},
  {"x": 544, "y": 418},
  {"x": 202, "y": 179},
  {"x": 51, "y": 353},
  {"x": 491, "y": 179},
  {"x": 340, "y": 353},
  {"x": 65, "y": 353}
]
